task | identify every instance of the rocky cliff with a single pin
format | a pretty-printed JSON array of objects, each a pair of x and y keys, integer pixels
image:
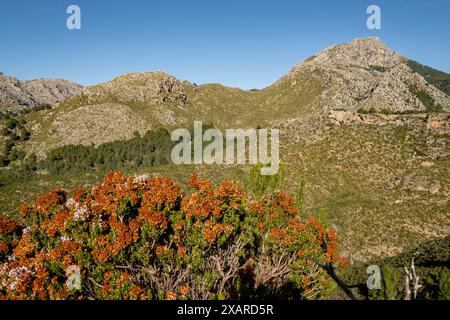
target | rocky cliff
[
  {"x": 30, "y": 93},
  {"x": 364, "y": 74}
]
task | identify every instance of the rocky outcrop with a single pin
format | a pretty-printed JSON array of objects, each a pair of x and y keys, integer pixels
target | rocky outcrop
[
  {"x": 439, "y": 123},
  {"x": 30, "y": 93},
  {"x": 149, "y": 87},
  {"x": 365, "y": 74}
]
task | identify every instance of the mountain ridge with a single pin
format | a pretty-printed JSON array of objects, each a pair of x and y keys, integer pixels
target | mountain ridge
[
  {"x": 20, "y": 94},
  {"x": 347, "y": 77},
  {"x": 367, "y": 133}
]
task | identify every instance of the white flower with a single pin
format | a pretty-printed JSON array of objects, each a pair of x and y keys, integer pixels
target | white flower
[
  {"x": 79, "y": 212},
  {"x": 141, "y": 178},
  {"x": 26, "y": 230},
  {"x": 65, "y": 238},
  {"x": 70, "y": 202},
  {"x": 15, "y": 274}
]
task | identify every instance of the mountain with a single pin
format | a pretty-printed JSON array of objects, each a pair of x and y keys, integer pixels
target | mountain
[
  {"x": 364, "y": 128},
  {"x": 31, "y": 93},
  {"x": 365, "y": 74},
  {"x": 360, "y": 75}
]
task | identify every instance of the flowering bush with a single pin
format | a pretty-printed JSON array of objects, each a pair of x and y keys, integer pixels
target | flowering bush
[{"x": 131, "y": 238}]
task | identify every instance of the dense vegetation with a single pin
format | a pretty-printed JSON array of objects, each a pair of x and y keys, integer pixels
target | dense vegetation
[
  {"x": 143, "y": 238},
  {"x": 427, "y": 100},
  {"x": 12, "y": 131},
  {"x": 432, "y": 262},
  {"x": 435, "y": 77},
  {"x": 151, "y": 149}
]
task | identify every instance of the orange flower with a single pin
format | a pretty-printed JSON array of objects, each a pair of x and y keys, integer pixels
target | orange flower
[
  {"x": 257, "y": 207},
  {"x": 122, "y": 279},
  {"x": 8, "y": 225},
  {"x": 261, "y": 226},
  {"x": 135, "y": 292},
  {"x": 45, "y": 202},
  {"x": 199, "y": 184},
  {"x": 305, "y": 281},
  {"x": 177, "y": 226},
  {"x": 107, "y": 276},
  {"x": 160, "y": 250},
  {"x": 3, "y": 247},
  {"x": 57, "y": 224},
  {"x": 24, "y": 210},
  {"x": 24, "y": 247},
  {"x": 106, "y": 289},
  {"x": 150, "y": 222},
  {"x": 154, "y": 218},
  {"x": 170, "y": 295},
  {"x": 343, "y": 262},
  {"x": 212, "y": 230},
  {"x": 78, "y": 194},
  {"x": 301, "y": 252},
  {"x": 184, "y": 290},
  {"x": 181, "y": 251}
]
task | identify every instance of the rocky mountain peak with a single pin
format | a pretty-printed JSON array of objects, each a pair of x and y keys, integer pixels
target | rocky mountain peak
[
  {"x": 143, "y": 87},
  {"x": 30, "y": 93},
  {"x": 364, "y": 74},
  {"x": 365, "y": 53}
]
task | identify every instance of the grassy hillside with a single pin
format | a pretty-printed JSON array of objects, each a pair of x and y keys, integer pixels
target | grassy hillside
[{"x": 384, "y": 186}]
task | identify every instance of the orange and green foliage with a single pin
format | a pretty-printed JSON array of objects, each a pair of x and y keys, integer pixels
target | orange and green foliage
[{"x": 143, "y": 238}]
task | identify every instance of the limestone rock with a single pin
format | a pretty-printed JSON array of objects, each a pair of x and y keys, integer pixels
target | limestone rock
[
  {"x": 30, "y": 93},
  {"x": 365, "y": 74}
]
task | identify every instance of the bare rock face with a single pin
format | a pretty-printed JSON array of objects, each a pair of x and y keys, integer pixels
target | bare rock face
[
  {"x": 367, "y": 53},
  {"x": 32, "y": 93},
  {"x": 438, "y": 123},
  {"x": 365, "y": 74}
]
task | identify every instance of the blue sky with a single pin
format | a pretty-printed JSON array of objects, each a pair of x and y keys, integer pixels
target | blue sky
[{"x": 246, "y": 44}]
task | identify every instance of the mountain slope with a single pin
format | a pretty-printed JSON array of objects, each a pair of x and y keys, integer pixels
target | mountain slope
[
  {"x": 365, "y": 74},
  {"x": 368, "y": 134},
  {"x": 435, "y": 77},
  {"x": 360, "y": 75},
  {"x": 22, "y": 94}
]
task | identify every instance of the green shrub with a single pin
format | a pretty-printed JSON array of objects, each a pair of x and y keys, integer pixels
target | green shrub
[
  {"x": 151, "y": 149},
  {"x": 391, "y": 285},
  {"x": 259, "y": 185},
  {"x": 436, "y": 285}
]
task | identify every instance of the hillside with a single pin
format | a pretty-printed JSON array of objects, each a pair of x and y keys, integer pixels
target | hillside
[
  {"x": 21, "y": 94},
  {"x": 368, "y": 133},
  {"x": 435, "y": 77}
]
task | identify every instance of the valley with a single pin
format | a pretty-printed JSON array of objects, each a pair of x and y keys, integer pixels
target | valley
[{"x": 365, "y": 130}]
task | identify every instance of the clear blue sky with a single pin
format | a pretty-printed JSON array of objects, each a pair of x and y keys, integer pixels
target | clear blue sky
[{"x": 247, "y": 44}]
